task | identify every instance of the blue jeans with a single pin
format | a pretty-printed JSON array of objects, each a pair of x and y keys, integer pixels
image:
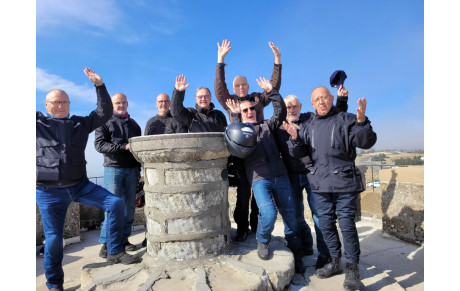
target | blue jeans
[
  {"x": 271, "y": 192},
  {"x": 53, "y": 204},
  {"x": 341, "y": 206},
  {"x": 123, "y": 183},
  {"x": 299, "y": 181}
]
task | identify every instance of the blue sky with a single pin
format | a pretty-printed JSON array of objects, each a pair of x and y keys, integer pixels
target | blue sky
[{"x": 139, "y": 47}]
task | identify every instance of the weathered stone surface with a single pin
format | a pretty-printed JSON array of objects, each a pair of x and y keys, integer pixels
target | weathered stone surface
[
  {"x": 238, "y": 268},
  {"x": 403, "y": 203},
  {"x": 186, "y": 193}
]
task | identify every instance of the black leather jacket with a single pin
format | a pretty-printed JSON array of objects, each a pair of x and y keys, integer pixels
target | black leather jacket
[
  {"x": 331, "y": 141},
  {"x": 111, "y": 139},
  {"x": 197, "y": 119},
  {"x": 61, "y": 143}
]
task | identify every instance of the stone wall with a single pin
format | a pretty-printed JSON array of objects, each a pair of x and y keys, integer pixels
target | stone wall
[{"x": 403, "y": 202}]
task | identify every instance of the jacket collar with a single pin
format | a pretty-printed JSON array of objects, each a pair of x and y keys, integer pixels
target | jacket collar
[{"x": 204, "y": 111}]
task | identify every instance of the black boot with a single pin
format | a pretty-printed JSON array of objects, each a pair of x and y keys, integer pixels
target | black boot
[
  {"x": 352, "y": 277},
  {"x": 322, "y": 260},
  {"x": 333, "y": 267}
]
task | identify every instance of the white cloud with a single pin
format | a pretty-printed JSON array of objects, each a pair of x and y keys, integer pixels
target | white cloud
[
  {"x": 102, "y": 14},
  {"x": 46, "y": 82}
]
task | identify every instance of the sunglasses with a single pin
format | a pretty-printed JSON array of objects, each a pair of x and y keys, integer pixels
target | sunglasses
[{"x": 252, "y": 108}]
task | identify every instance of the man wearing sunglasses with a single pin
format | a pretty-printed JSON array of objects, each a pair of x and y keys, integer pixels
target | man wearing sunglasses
[
  {"x": 268, "y": 175},
  {"x": 121, "y": 169},
  {"x": 241, "y": 90},
  {"x": 202, "y": 118},
  {"x": 61, "y": 177},
  {"x": 163, "y": 122}
]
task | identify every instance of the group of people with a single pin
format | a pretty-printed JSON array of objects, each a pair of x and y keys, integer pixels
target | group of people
[{"x": 294, "y": 151}]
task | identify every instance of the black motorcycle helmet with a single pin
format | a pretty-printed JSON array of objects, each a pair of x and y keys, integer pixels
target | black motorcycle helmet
[{"x": 241, "y": 139}]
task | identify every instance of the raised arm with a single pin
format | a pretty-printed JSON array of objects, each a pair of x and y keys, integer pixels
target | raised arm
[
  {"x": 276, "y": 74},
  {"x": 223, "y": 50},
  {"x": 104, "y": 109},
  {"x": 279, "y": 107},
  {"x": 362, "y": 134},
  {"x": 178, "y": 111},
  {"x": 342, "y": 99},
  {"x": 220, "y": 87}
]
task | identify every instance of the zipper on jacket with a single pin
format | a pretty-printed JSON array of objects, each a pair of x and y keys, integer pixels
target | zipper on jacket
[{"x": 332, "y": 135}]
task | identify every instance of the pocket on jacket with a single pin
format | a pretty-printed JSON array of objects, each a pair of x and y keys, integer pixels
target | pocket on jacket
[
  {"x": 346, "y": 171},
  {"x": 47, "y": 169}
]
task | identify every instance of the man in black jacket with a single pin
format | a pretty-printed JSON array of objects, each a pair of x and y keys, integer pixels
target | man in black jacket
[
  {"x": 330, "y": 140},
  {"x": 163, "y": 122},
  {"x": 61, "y": 177},
  {"x": 298, "y": 176},
  {"x": 121, "y": 169},
  {"x": 268, "y": 176},
  {"x": 202, "y": 118}
]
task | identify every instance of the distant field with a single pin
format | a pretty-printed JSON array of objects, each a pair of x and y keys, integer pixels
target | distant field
[{"x": 394, "y": 156}]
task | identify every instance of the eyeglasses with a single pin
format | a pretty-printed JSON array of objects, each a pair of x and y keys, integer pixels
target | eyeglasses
[
  {"x": 54, "y": 102},
  {"x": 203, "y": 97},
  {"x": 124, "y": 103},
  {"x": 325, "y": 99},
  {"x": 252, "y": 108},
  {"x": 163, "y": 101}
]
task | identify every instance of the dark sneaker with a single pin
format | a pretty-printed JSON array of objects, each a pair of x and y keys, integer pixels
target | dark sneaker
[
  {"x": 331, "y": 268},
  {"x": 322, "y": 260},
  {"x": 123, "y": 258},
  {"x": 262, "y": 251},
  {"x": 103, "y": 251},
  {"x": 352, "y": 277},
  {"x": 41, "y": 252},
  {"x": 241, "y": 235},
  {"x": 59, "y": 288},
  {"x": 144, "y": 243},
  {"x": 129, "y": 247}
]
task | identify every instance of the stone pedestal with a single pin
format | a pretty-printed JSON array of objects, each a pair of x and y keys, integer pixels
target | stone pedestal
[
  {"x": 188, "y": 226},
  {"x": 186, "y": 204}
]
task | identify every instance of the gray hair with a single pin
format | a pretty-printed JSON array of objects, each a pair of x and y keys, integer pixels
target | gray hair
[
  {"x": 237, "y": 77},
  {"x": 292, "y": 97},
  {"x": 209, "y": 91}
]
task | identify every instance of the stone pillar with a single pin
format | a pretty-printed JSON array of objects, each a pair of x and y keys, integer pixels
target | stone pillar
[{"x": 186, "y": 204}]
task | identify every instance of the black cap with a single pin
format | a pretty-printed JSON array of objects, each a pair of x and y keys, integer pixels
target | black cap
[{"x": 337, "y": 78}]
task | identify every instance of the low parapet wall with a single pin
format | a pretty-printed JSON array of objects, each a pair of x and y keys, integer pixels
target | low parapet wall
[{"x": 403, "y": 203}]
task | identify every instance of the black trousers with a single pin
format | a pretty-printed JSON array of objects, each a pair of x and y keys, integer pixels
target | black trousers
[{"x": 243, "y": 198}]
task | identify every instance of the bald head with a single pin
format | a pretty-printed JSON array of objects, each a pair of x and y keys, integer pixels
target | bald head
[
  {"x": 163, "y": 102},
  {"x": 120, "y": 103},
  {"x": 322, "y": 100},
  {"x": 57, "y": 103}
]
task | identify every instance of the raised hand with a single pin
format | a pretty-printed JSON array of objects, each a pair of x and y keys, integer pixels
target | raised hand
[
  {"x": 180, "y": 83},
  {"x": 291, "y": 128},
  {"x": 361, "y": 110},
  {"x": 264, "y": 84},
  {"x": 234, "y": 106},
  {"x": 93, "y": 77},
  {"x": 276, "y": 52},
  {"x": 222, "y": 50},
  {"x": 342, "y": 92}
]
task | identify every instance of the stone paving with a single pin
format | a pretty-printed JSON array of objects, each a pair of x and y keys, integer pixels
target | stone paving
[{"x": 386, "y": 264}]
